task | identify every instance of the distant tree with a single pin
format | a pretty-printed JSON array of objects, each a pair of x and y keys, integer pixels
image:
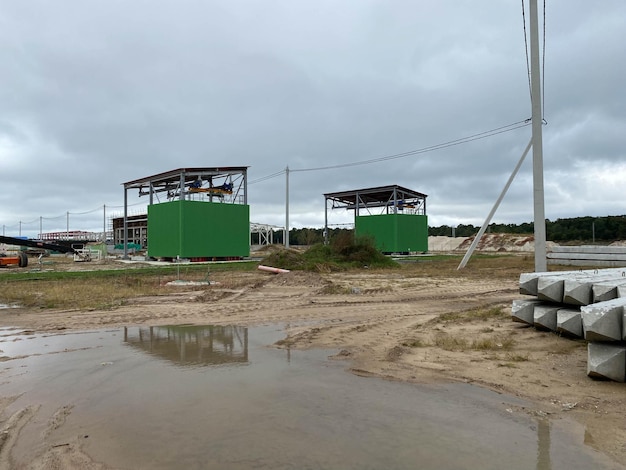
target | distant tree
[{"x": 577, "y": 229}]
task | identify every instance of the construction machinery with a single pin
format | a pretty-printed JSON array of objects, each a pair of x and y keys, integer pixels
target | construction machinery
[{"x": 21, "y": 259}]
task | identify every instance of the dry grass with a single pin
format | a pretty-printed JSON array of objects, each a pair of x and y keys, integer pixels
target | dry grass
[
  {"x": 450, "y": 343},
  {"x": 565, "y": 345},
  {"x": 514, "y": 357},
  {"x": 102, "y": 289},
  {"x": 88, "y": 291},
  {"x": 481, "y": 266},
  {"x": 493, "y": 344},
  {"x": 414, "y": 343},
  {"x": 335, "y": 289},
  {"x": 460, "y": 343},
  {"x": 80, "y": 293},
  {"x": 482, "y": 314}
]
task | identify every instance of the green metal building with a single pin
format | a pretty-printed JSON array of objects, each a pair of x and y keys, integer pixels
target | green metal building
[
  {"x": 205, "y": 215},
  {"x": 393, "y": 216}
]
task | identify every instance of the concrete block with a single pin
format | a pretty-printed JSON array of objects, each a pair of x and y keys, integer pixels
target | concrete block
[
  {"x": 523, "y": 310},
  {"x": 606, "y": 361},
  {"x": 569, "y": 322},
  {"x": 603, "y": 321},
  {"x": 573, "y": 287},
  {"x": 528, "y": 281},
  {"x": 550, "y": 288},
  {"x": 544, "y": 316},
  {"x": 579, "y": 290},
  {"x": 607, "y": 290}
]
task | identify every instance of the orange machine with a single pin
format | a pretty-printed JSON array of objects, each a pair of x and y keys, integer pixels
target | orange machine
[{"x": 20, "y": 260}]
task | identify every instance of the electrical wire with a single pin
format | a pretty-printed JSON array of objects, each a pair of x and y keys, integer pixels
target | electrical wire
[
  {"x": 543, "y": 60},
  {"x": 530, "y": 89},
  {"x": 263, "y": 178},
  {"x": 86, "y": 212},
  {"x": 450, "y": 143}
]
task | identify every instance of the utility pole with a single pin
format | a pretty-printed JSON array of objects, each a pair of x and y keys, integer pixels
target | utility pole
[
  {"x": 287, "y": 207},
  {"x": 537, "y": 122}
]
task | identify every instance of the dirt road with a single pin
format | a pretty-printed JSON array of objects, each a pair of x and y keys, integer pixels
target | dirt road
[{"x": 401, "y": 324}]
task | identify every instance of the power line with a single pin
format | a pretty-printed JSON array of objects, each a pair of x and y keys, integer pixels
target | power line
[
  {"x": 263, "y": 178},
  {"x": 543, "y": 58},
  {"x": 451, "y": 143},
  {"x": 86, "y": 212},
  {"x": 526, "y": 50}
]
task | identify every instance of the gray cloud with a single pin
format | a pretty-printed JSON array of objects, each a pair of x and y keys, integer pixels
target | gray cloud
[{"x": 93, "y": 94}]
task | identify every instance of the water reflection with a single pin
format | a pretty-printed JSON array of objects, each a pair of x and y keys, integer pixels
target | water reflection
[
  {"x": 543, "y": 445},
  {"x": 307, "y": 414},
  {"x": 191, "y": 345}
]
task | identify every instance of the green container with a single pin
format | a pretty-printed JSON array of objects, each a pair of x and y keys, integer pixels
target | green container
[
  {"x": 196, "y": 229},
  {"x": 395, "y": 233}
]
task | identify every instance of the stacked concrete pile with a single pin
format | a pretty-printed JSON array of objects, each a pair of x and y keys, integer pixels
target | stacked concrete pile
[{"x": 583, "y": 304}]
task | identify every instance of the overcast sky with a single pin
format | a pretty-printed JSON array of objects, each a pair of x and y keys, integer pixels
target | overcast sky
[{"x": 97, "y": 93}]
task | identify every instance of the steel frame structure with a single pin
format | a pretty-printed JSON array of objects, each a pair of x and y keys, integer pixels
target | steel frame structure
[
  {"x": 226, "y": 184},
  {"x": 392, "y": 198},
  {"x": 265, "y": 232}
]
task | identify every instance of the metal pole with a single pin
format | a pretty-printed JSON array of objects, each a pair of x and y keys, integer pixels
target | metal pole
[
  {"x": 245, "y": 187},
  {"x": 20, "y": 232},
  {"x": 537, "y": 122},
  {"x": 40, "y": 228},
  {"x": 287, "y": 207},
  {"x": 181, "y": 196},
  {"x": 125, "y": 226},
  {"x": 593, "y": 231},
  {"x": 325, "y": 221},
  {"x": 104, "y": 223},
  {"x": 67, "y": 225},
  {"x": 494, "y": 208}
]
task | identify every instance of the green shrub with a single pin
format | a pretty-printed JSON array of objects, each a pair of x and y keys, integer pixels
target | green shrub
[{"x": 344, "y": 252}]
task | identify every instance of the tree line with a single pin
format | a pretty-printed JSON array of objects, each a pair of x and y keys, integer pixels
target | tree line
[{"x": 577, "y": 229}]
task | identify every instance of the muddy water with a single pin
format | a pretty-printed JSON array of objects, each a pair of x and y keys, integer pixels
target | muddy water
[{"x": 219, "y": 397}]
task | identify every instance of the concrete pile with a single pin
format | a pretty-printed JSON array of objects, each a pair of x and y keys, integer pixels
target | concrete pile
[{"x": 586, "y": 304}]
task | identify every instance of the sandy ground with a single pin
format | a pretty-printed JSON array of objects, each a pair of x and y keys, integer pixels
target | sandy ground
[{"x": 393, "y": 325}]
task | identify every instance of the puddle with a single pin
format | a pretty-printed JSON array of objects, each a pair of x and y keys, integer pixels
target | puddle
[{"x": 217, "y": 397}]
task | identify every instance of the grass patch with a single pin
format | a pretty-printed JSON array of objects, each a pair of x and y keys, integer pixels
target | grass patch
[
  {"x": 565, "y": 346},
  {"x": 414, "y": 343},
  {"x": 492, "y": 344},
  {"x": 511, "y": 357},
  {"x": 335, "y": 289},
  {"x": 482, "y": 314},
  {"x": 450, "y": 343},
  {"x": 100, "y": 289},
  {"x": 458, "y": 343}
]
